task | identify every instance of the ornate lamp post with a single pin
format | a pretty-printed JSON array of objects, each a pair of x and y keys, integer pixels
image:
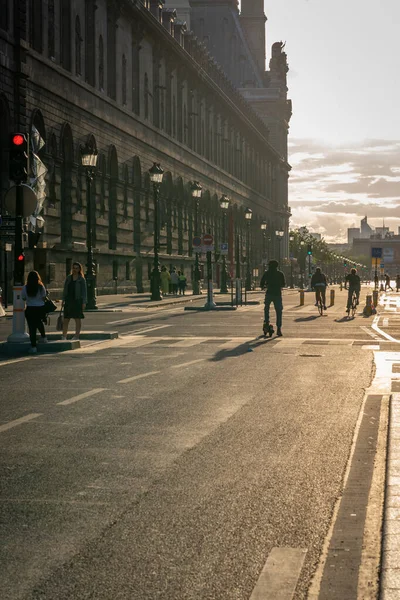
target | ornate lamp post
[
  {"x": 89, "y": 161},
  {"x": 248, "y": 213},
  {"x": 196, "y": 191},
  {"x": 224, "y": 204},
  {"x": 302, "y": 262},
  {"x": 264, "y": 226},
  {"x": 291, "y": 239},
  {"x": 279, "y": 236},
  {"x": 156, "y": 175}
]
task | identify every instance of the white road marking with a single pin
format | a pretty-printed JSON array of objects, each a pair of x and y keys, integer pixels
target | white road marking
[
  {"x": 383, "y": 333},
  {"x": 135, "y": 377},
  {"x": 15, "y": 360},
  {"x": 145, "y": 330},
  {"x": 81, "y": 397},
  {"x": 25, "y": 419},
  {"x": 191, "y": 362},
  {"x": 385, "y": 322},
  {"x": 190, "y": 342},
  {"x": 280, "y": 574},
  {"x": 142, "y": 317}
]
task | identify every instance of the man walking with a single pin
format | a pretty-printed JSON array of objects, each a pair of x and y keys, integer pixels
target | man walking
[{"x": 273, "y": 280}]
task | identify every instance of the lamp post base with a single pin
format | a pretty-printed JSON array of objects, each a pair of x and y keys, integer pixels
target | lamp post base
[
  {"x": 91, "y": 292},
  {"x": 155, "y": 285}
]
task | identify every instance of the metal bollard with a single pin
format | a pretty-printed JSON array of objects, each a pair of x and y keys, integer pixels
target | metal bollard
[
  {"x": 341, "y": 286},
  {"x": 332, "y": 297},
  {"x": 301, "y": 297},
  {"x": 368, "y": 306},
  {"x": 375, "y": 297}
]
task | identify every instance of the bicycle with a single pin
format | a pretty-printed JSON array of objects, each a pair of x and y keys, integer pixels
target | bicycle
[
  {"x": 353, "y": 306},
  {"x": 320, "y": 303}
]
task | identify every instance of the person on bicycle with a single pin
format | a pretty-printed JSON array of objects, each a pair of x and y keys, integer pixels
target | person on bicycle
[
  {"x": 353, "y": 284},
  {"x": 274, "y": 281},
  {"x": 319, "y": 284}
]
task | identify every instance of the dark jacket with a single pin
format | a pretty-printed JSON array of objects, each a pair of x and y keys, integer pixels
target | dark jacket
[
  {"x": 354, "y": 281},
  {"x": 80, "y": 289},
  {"x": 318, "y": 278},
  {"x": 274, "y": 281}
]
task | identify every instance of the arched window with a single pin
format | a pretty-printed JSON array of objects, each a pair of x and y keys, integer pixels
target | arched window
[
  {"x": 101, "y": 64},
  {"x": 126, "y": 194},
  {"x": 36, "y": 20},
  {"x": 112, "y": 199},
  {"x": 136, "y": 77},
  {"x": 52, "y": 192},
  {"x": 102, "y": 174},
  {"x": 123, "y": 79},
  {"x": 66, "y": 34},
  {"x": 66, "y": 184},
  {"x": 78, "y": 47},
  {"x": 51, "y": 49}
]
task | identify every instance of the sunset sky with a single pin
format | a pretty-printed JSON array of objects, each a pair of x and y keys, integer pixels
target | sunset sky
[{"x": 344, "y": 81}]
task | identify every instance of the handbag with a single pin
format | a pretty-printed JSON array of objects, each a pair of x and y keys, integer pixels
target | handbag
[
  {"x": 49, "y": 305},
  {"x": 60, "y": 322}
]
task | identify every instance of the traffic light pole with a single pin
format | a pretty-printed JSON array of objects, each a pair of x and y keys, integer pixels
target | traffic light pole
[{"x": 18, "y": 328}]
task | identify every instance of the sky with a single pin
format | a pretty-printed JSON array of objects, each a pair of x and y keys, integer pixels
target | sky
[{"x": 344, "y": 139}]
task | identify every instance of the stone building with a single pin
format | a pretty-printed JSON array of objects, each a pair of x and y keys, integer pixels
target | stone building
[{"x": 131, "y": 78}]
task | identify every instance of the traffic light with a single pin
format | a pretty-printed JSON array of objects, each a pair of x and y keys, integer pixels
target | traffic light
[
  {"x": 19, "y": 157},
  {"x": 309, "y": 249},
  {"x": 19, "y": 268},
  {"x": 345, "y": 263}
]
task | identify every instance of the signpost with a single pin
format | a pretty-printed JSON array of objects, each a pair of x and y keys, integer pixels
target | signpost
[
  {"x": 196, "y": 244},
  {"x": 376, "y": 254},
  {"x": 208, "y": 247}
]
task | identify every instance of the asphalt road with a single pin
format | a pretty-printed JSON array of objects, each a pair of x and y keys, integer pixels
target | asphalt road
[{"x": 170, "y": 463}]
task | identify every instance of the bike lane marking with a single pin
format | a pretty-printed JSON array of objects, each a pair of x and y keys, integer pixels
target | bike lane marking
[
  {"x": 19, "y": 421},
  {"x": 141, "y": 376}
]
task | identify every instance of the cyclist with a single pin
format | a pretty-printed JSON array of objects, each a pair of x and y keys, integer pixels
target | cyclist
[
  {"x": 274, "y": 281},
  {"x": 354, "y": 285},
  {"x": 319, "y": 284}
]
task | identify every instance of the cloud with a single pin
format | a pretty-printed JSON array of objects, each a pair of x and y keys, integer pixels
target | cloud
[{"x": 332, "y": 188}]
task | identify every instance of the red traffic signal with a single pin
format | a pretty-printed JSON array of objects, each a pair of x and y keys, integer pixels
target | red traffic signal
[
  {"x": 18, "y": 139},
  {"x": 21, "y": 257}
]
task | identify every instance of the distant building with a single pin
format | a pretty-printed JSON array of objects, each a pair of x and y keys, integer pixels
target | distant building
[
  {"x": 366, "y": 230},
  {"x": 353, "y": 233}
]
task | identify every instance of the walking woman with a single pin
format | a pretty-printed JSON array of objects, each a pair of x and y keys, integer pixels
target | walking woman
[
  {"x": 74, "y": 299},
  {"x": 34, "y": 293}
]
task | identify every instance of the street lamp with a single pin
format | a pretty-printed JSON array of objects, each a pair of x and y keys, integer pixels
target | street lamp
[
  {"x": 224, "y": 204},
  {"x": 89, "y": 161},
  {"x": 279, "y": 236},
  {"x": 302, "y": 243},
  {"x": 196, "y": 191},
  {"x": 248, "y": 213},
  {"x": 291, "y": 239},
  {"x": 264, "y": 226},
  {"x": 156, "y": 175}
]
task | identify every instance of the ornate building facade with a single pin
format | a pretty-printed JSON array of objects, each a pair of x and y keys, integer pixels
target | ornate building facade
[{"x": 133, "y": 79}]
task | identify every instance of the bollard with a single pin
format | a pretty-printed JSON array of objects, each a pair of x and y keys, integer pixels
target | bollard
[
  {"x": 375, "y": 297},
  {"x": 301, "y": 297},
  {"x": 18, "y": 331},
  {"x": 368, "y": 306},
  {"x": 332, "y": 297}
]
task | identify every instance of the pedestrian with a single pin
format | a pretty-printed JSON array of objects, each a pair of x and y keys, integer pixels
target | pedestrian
[
  {"x": 74, "y": 300},
  {"x": 165, "y": 279},
  {"x": 174, "y": 281},
  {"x": 273, "y": 280},
  {"x": 182, "y": 282},
  {"x": 34, "y": 293},
  {"x": 387, "y": 282},
  {"x": 397, "y": 282}
]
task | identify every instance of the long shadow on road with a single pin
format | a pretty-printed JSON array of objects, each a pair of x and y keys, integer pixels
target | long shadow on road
[{"x": 241, "y": 349}]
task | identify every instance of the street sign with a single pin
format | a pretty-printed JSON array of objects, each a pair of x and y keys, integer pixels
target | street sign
[
  {"x": 196, "y": 244},
  {"x": 376, "y": 252},
  {"x": 208, "y": 239},
  {"x": 223, "y": 248},
  {"x": 29, "y": 203}
]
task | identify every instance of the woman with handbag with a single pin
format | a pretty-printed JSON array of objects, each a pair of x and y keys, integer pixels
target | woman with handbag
[
  {"x": 34, "y": 294},
  {"x": 74, "y": 300}
]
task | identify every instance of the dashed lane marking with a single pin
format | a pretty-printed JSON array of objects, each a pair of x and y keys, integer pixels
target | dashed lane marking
[
  {"x": 144, "y": 330},
  {"x": 81, "y": 397},
  {"x": 280, "y": 574},
  {"x": 186, "y": 364},
  {"x": 135, "y": 377},
  {"x": 20, "y": 421}
]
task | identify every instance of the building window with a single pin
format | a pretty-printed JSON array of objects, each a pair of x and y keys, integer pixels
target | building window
[
  {"x": 66, "y": 34},
  {"x": 128, "y": 270},
  {"x": 125, "y": 204},
  {"x": 36, "y": 20},
  {"x": 90, "y": 42},
  {"x": 135, "y": 78},
  {"x": 4, "y": 17},
  {"x": 123, "y": 79},
  {"x": 111, "y": 54},
  {"x": 78, "y": 47},
  {"x": 146, "y": 96},
  {"x": 101, "y": 64},
  {"x": 50, "y": 30}
]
